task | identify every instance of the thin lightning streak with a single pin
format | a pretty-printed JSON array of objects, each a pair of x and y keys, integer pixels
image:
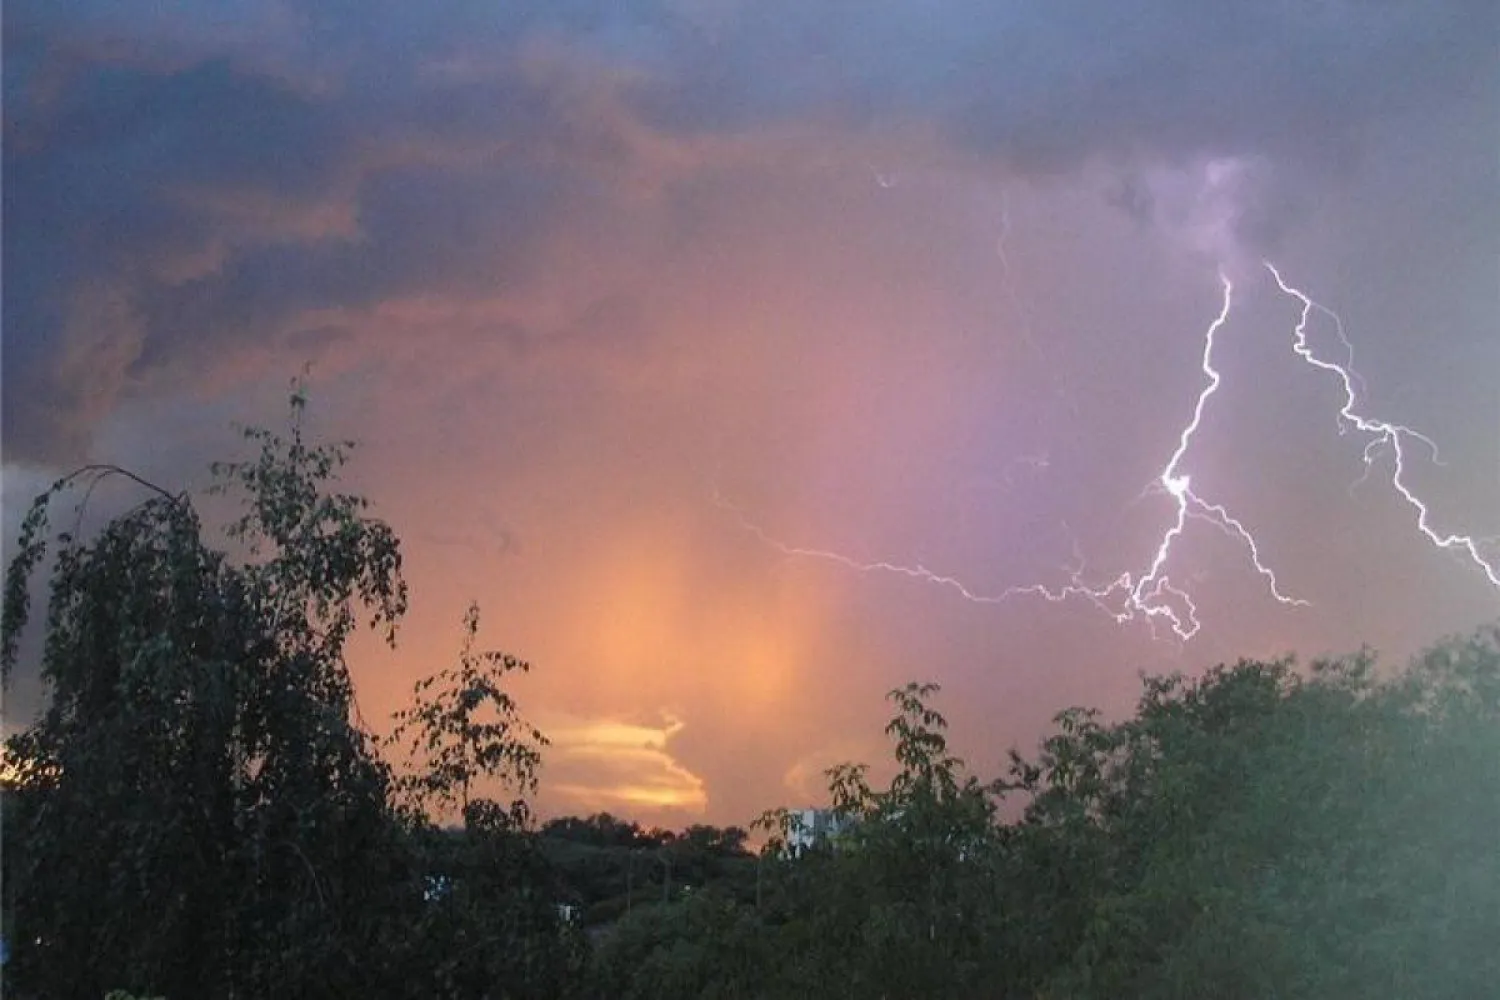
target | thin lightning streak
[
  {"x": 1007, "y": 282},
  {"x": 1018, "y": 305},
  {"x": 1151, "y": 596},
  {"x": 1004, "y": 236},
  {"x": 917, "y": 572},
  {"x": 1036, "y": 463},
  {"x": 1356, "y": 380},
  {"x": 1383, "y": 434}
]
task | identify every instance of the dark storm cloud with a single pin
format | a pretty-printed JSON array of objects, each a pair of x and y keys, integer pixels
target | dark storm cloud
[
  {"x": 430, "y": 230},
  {"x": 94, "y": 180},
  {"x": 1044, "y": 84},
  {"x": 128, "y": 132},
  {"x": 124, "y": 168}
]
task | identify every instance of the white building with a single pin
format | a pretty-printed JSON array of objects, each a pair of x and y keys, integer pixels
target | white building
[{"x": 807, "y": 827}]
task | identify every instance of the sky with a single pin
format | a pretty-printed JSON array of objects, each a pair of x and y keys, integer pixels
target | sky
[{"x": 746, "y": 360}]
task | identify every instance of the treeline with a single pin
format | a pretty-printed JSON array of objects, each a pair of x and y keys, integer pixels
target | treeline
[
  {"x": 199, "y": 810},
  {"x": 607, "y": 866},
  {"x": 1259, "y": 832}
]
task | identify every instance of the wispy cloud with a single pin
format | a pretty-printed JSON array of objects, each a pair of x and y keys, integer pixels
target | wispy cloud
[{"x": 604, "y": 764}]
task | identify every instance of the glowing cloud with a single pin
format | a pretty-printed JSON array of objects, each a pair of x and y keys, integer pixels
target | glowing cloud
[{"x": 609, "y": 764}]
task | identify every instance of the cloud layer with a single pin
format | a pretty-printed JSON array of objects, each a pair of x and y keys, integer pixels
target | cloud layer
[{"x": 185, "y": 189}]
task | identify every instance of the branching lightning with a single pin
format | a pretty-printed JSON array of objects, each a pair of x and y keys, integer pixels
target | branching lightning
[
  {"x": 1146, "y": 596},
  {"x": 1150, "y": 596},
  {"x": 1383, "y": 436}
]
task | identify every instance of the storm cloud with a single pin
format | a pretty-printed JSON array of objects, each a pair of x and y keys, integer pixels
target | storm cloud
[{"x": 202, "y": 178}]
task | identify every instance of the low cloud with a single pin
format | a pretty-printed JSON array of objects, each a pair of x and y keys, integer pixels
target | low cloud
[{"x": 606, "y": 764}]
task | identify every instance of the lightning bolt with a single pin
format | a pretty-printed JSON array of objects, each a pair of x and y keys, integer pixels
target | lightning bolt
[
  {"x": 1147, "y": 594},
  {"x": 1383, "y": 435},
  {"x": 1150, "y": 596}
]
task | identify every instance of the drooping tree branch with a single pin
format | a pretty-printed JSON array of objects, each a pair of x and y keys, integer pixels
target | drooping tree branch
[{"x": 31, "y": 547}]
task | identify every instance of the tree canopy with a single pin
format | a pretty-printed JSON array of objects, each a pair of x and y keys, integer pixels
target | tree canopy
[{"x": 198, "y": 810}]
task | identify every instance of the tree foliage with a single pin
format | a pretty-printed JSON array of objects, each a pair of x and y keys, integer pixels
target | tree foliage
[
  {"x": 463, "y": 727},
  {"x": 197, "y": 810},
  {"x": 898, "y": 904},
  {"x": 195, "y": 803},
  {"x": 490, "y": 924},
  {"x": 1257, "y": 831}
]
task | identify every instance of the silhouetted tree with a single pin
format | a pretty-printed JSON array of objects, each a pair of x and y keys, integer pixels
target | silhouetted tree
[{"x": 195, "y": 811}]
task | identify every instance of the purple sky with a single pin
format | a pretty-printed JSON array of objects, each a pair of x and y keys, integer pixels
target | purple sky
[{"x": 636, "y": 306}]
